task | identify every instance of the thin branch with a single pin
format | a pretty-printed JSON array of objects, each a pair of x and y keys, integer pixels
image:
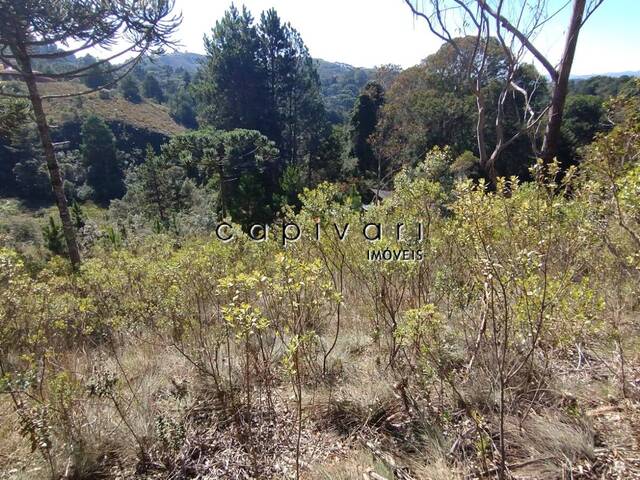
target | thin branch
[{"x": 522, "y": 38}]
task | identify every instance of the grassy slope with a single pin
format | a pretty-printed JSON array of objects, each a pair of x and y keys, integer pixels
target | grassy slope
[{"x": 147, "y": 114}]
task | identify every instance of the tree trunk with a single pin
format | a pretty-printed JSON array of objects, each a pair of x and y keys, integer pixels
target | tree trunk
[
  {"x": 487, "y": 163},
  {"x": 561, "y": 86},
  {"x": 50, "y": 157}
]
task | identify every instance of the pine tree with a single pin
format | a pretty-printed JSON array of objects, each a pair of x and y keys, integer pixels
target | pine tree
[
  {"x": 162, "y": 185},
  {"x": 261, "y": 77},
  {"x": 53, "y": 237},
  {"x": 97, "y": 76},
  {"x": 296, "y": 112},
  {"x": 78, "y": 215},
  {"x": 130, "y": 90},
  {"x": 152, "y": 89},
  {"x": 232, "y": 86},
  {"x": 182, "y": 108},
  {"x": 363, "y": 123},
  {"x": 104, "y": 172}
]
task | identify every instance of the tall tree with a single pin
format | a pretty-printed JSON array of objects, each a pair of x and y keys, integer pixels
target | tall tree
[
  {"x": 104, "y": 172},
  {"x": 435, "y": 104},
  {"x": 130, "y": 90},
  {"x": 231, "y": 90},
  {"x": 182, "y": 108},
  {"x": 261, "y": 77},
  {"x": 98, "y": 75},
  {"x": 29, "y": 30},
  {"x": 240, "y": 158},
  {"x": 233, "y": 163},
  {"x": 514, "y": 25},
  {"x": 13, "y": 113},
  {"x": 424, "y": 107},
  {"x": 157, "y": 187},
  {"x": 363, "y": 123},
  {"x": 293, "y": 89},
  {"x": 152, "y": 89}
]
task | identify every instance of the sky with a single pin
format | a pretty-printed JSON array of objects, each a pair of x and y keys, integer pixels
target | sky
[{"x": 366, "y": 33}]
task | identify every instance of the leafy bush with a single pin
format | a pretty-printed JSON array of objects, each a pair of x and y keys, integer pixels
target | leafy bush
[{"x": 158, "y": 337}]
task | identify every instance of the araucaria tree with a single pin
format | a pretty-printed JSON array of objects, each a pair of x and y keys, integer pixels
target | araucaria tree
[
  {"x": 513, "y": 25},
  {"x": 30, "y": 28}
]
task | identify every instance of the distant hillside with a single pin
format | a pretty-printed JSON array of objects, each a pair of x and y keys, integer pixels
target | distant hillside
[
  {"x": 341, "y": 84},
  {"x": 600, "y": 85},
  {"x": 328, "y": 70},
  {"x": 629, "y": 73},
  {"x": 185, "y": 60},
  {"x": 109, "y": 106}
]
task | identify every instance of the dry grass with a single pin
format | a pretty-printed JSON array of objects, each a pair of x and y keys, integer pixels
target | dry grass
[
  {"x": 17, "y": 462},
  {"x": 356, "y": 421},
  {"x": 551, "y": 442},
  {"x": 355, "y": 464},
  {"x": 352, "y": 426},
  {"x": 147, "y": 114}
]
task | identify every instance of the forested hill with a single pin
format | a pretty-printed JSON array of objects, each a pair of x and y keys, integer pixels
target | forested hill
[
  {"x": 340, "y": 85},
  {"x": 340, "y": 82},
  {"x": 259, "y": 264},
  {"x": 627, "y": 73},
  {"x": 186, "y": 60},
  {"x": 330, "y": 72}
]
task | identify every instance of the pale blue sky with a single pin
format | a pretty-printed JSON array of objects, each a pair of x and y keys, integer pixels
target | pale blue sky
[{"x": 374, "y": 32}]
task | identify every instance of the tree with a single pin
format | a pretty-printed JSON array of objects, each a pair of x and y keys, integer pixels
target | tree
[
  {"x": 583, "y": 119},
  {"x": 514, "y": 30},
  {"x": 182, "y": 108},
  {"x": 328, "y": 164},
  {"x": 386, "y": 75},
  {"x": 240, "y": 158},
  {"x": 363, "y": 123},
  {"x": 130, "y": 90},
  {"x": 104, "y": 172},
  {"x": 157, "y": 186},
  {"x": 295, "y": 110},
  {"x": 263, "y": 78},
  {"x": 424, "y": 107},
  {"x": 31, "y": 179},
  {"x": 13, "y": 113},
  {"x": 53, "y": 237},
  {"x": 186, "y": 78},
  {"x": 225, "y": 166},
  {"x": 30, "y": 26},
  {"x": 233, "y": 163},
  {"x": 152, "y": 89},
  {"x": 231, "y": 91},
  {"x": 98, "y": 75}
]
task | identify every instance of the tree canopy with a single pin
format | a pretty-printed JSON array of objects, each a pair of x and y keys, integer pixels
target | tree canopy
[
  {"x": 104, "y": 171},
  {"x": 260, "y": 76}
]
